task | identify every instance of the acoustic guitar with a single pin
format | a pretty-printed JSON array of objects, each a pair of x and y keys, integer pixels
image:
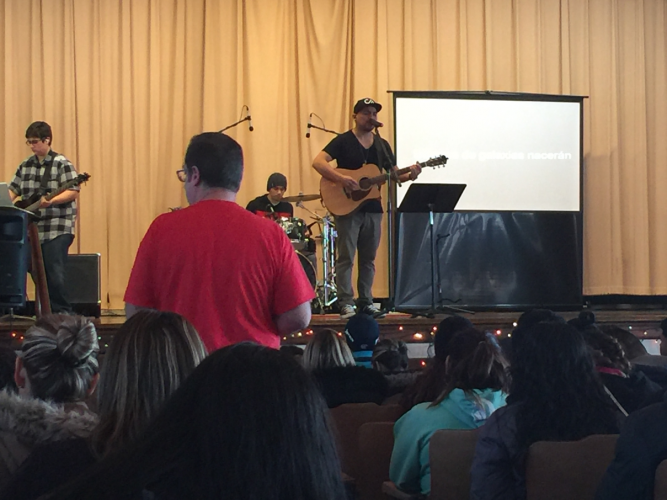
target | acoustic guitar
[
  {"x": 31, "y": 204},
  {"x": 340, "y": 201}
]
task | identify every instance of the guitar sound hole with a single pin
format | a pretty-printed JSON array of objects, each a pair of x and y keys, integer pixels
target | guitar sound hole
[{"x": 365, "y": 184}]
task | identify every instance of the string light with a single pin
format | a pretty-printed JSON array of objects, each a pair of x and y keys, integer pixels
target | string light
[
  {"x": 498, "y": 332},
  {"x": 400, "y": 328},
  {"x": 418, "y": 336},
  {"x": 515, "y": 324},
  {"x": 423, "y": 363}
]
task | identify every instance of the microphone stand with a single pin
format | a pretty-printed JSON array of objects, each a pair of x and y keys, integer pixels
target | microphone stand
[
  {"x": 391, "y": 191},
  {"x": 323, "y": 129},
  {"x": 247, "y": 118}
]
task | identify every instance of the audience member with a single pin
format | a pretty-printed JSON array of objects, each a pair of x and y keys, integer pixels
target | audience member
[
  {"x": 293, "y": 350},
  {"x": 194, "y": 262},
  {"x": 332, "y": 365},
  {"x": 248, "y": 423},
  {"x": 150, "y": 355},
  {"x": 390, "y": 357},
  {"x": 534, "y": 316},
  {"x": 362, "y": 332},
  {"x": 475, "y": 388},
  {"x": 555, "y": 395},
  {"x": 630, "y": 388},
  {"x": 640, "y": 448},
  {"x": 430, "y": 384},
  {"x": 632, "y": 346},
  {"x": 56, "y": 370},
  {"x": 7, "y": 364}
]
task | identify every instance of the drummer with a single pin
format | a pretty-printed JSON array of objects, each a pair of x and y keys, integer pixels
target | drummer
[{"x": 271, "y": 204}]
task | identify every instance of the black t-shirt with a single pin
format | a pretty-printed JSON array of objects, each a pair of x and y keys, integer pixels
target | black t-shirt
[
  {"x": 351, "y": 155},
  {"x": 262, "y": 206}
]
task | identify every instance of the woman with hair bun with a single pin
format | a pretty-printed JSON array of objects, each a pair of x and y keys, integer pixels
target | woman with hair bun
[
  {"x": 475, "y": 387},
  {"x": 55, "y": 371},
  {"x": 150, "y": 356}
]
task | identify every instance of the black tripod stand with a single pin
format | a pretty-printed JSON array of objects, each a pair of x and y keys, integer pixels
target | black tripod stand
[{"x": 432, "y": 199}]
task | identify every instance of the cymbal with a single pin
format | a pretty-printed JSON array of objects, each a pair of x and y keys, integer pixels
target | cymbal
[{"x": 301, "y": 197}]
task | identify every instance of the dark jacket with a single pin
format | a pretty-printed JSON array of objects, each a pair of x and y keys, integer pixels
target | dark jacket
[
  {"x": 351, "y": 384},
  {"x": 26, "y": 422},
  {"x": 641, "y": 446},
  {"x": 498, "y": 469},
  {"x": 632, "y": 392},
  {"x": 49, "y": 466}
]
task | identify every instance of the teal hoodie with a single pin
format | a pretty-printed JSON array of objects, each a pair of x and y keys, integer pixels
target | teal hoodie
[{"x": 410, "y": 469}]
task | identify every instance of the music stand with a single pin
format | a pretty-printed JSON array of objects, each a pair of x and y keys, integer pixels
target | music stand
[{"x": 430, "y": 199}]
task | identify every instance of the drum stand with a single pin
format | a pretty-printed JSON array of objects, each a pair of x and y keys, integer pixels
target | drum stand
[{"x": 326, "y": 288}]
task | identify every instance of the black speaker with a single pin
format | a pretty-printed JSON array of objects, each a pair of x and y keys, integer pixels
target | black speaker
[
  {"x": 14, "y": 254},
  {"x": 82, "y": 283}
]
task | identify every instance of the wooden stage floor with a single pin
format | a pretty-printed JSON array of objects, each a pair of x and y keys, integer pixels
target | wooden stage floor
[{"x": 644, "y": 323}]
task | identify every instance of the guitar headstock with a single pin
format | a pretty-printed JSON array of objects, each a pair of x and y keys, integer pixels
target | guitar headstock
[
  {"x": 438, "y": 161},
  {"x": 82, "y": 177}
]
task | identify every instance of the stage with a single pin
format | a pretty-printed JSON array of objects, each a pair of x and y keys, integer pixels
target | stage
[{"x": 643, "y": 323}]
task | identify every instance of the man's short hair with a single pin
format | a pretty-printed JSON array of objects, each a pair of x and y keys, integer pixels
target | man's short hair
[
  {"x": 42, "y": 130},
  {"x": 219, "y": 159}
]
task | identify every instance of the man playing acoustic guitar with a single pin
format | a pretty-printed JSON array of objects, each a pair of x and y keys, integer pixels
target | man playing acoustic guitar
[
  {"x": 41, "y": 173},
  {"x": 360, "y": 229}
]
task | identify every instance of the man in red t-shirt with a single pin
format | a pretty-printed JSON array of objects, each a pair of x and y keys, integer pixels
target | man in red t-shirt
[{"x": 234, "y": 275}]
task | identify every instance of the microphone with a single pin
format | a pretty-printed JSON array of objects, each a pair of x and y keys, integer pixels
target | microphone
[
  {"x": 376, "y": 123},
  {"x": 250, "y": 127},
  {"x": 310, "y": 124}
]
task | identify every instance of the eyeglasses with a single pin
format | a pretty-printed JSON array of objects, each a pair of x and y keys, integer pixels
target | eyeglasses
[
  {"x": 182, "y": 174},
  {"x": 32, "y": 142}
]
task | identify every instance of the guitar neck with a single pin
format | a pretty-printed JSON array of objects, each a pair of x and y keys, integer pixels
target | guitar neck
[
  {"x": 394, "y": 174},
  {"x": 61, "y": 189}
]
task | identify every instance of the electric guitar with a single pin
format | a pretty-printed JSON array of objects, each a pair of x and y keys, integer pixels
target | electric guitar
[
  {"x": 340, "y": 201},
  {"x": 31, "y": 204}
]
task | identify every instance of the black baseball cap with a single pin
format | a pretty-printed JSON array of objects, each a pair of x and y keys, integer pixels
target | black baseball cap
[{"x": 367, "y": 101}]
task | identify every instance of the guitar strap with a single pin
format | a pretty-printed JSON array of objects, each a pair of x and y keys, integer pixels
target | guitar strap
[
  {"x": 48, "y": 165},
  {"x": 385, "y": 159}
]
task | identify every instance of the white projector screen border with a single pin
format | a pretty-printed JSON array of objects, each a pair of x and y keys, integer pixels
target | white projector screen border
[{"x": 515, "y": 152}]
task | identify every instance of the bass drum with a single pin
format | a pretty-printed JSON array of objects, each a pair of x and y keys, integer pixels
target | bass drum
[{"x": 309, "y": 269}]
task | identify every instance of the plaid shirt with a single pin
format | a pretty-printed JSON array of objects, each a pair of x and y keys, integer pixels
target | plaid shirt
[{"x": 56, "y": 219}]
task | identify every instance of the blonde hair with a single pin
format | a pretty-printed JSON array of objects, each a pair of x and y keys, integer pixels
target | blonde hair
[
  {"x": 59, "y": 354},
  {"x": 326, "y": 350},
  {"x": 150, "y": 356}
]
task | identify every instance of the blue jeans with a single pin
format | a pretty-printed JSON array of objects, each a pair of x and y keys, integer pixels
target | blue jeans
[{"x": 55, "y": 257}]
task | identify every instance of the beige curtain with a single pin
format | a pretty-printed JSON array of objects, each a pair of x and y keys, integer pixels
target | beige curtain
[{"x": 125, "y": 84}]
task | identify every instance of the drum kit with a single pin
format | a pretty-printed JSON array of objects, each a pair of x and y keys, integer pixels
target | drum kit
[{"x": 303, "y": 243}]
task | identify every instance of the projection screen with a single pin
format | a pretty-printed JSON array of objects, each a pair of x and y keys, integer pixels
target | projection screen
[{"x": 514, "y": 155}]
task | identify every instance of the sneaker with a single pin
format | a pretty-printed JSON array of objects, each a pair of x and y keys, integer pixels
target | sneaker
[
  {"x": 347, "y": 311},
  {"x": 371, "y": 310}
]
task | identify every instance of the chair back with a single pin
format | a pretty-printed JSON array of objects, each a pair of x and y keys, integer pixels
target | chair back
[
  {"x": 568, "y": 469},
  {"x": 451, "y": 453},
  {"x": 376, "y": 442},
  {"x": 347, "y": 419},
  {"x": 660, "y": 487}
]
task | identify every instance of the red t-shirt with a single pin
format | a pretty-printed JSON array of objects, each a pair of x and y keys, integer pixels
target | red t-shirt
[{"x": 225, "y": 269}]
